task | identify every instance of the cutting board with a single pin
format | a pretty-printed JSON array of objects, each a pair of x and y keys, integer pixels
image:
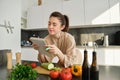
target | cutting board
[{"x": 41, "y": 70}]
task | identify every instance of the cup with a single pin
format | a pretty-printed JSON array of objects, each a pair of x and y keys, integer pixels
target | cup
[{"x": 106, "y": 42}]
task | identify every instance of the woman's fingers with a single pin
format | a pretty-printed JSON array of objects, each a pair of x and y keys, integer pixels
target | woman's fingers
[{"x": 35, "y": 46}]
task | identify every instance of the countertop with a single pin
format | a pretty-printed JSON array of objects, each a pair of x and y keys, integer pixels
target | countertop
[
  {"x": 101, "y": 47},
  {"x": 105, "y": 73},
  {"x": 79, "y": 46}
]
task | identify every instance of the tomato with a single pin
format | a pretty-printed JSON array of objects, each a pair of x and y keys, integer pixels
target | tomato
[
  {"x": 67, "y": 69},
  {"x": 33, "y": 65},
  {"x": 54, "y": 74},
  {"x": 66, "y": 74}
]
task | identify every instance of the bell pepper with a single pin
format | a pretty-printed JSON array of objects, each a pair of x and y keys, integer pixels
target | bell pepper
[{"x": 76, "y": 70}]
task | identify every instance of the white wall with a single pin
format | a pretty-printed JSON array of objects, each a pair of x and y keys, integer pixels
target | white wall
[{"x": 10, "y": 10}]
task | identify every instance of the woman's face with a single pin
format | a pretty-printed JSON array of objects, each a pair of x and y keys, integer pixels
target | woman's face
[{"x": 54, "y": 26}]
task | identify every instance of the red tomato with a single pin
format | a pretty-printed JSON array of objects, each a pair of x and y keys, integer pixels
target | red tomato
[
  {"x": 33, "y": 65},
  {"x": 66, "y": 74},
  {"x": 54, "y": 74},
  {"x": 67, "y": 69}
]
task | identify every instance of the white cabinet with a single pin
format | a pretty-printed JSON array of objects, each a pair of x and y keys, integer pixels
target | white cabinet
[
  {"x": 49, "y": 7},
  {"x": 100, "y": 56},
  {"x": 80, "y": 12},
  {"x": 109, "y": 57},
  {"x": 74, "y": 9},
  {"x": 38, "y": 16},
  {"x": 97, "y": 12},
  {"x": 105, "y": 56},
  {"x": 114, "y": 11},
  {"x": 35, "y": 17},
  {"x": 117, "y": 57},
  {"x": 29, "y": 54}
]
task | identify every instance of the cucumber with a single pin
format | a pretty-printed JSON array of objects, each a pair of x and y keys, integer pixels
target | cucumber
[
  {"x": 56, "y": 68},
  {"x": 48, "y": 66}
]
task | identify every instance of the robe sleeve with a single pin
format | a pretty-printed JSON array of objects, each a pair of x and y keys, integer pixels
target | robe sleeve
[{"x": 72, "y": 55}]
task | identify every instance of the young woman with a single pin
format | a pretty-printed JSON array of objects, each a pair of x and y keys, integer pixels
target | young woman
[{"x": 60, "y": 43}]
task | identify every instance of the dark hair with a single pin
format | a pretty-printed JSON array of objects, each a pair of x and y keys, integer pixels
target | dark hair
[{"x": 63, "y": 19}]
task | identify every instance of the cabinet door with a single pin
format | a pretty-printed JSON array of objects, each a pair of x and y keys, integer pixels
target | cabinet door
[
  {"x": 115, "y": 11},
  {"x": 97, "y": 12},
  {"x": 109, "y": 56},
  {"x": 100, "y": 56},
  {"x": 29, "y": 54},
  {"x": 49, "y": 7},
  {"x": 74, "y": 9},
  {"x": 117, "y": 57},
  {"x": 35, "y": 17}
]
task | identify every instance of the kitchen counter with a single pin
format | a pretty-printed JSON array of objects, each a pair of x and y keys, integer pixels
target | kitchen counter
[
  {"x": 105, "y": 73},
  {"x": 79, "y": 46},
  {"x": 100, "y": 47}
]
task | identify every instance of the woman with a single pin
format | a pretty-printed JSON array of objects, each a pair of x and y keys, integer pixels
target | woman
[{"x": 60, "y": 43}]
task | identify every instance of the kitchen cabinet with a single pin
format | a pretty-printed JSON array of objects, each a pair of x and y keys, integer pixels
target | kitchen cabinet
[
  {"x": 97, "y": 12},
  {"x": 35, "y": 17},
  {"x": 29, "y": 54},
  {"x": 109, "y": 57},
  {"x": 74, "y": 9},
  {"x": 114, "y": 11},
  {"x": 105, "y": 56},
  {"x": 117, "y": 57},
  {"x": 100, "y": 54},
  {"x": 80, "y": 12},
  {"x": 49, "y": 7},
  {"x": 38, "y": 16}
]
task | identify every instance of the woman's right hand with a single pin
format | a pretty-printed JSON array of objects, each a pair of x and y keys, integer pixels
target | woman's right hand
[{"x": 35, "y": 46}]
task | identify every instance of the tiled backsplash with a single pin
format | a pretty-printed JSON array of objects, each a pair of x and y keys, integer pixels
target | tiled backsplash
[
  {"x": 76, "y": 32},
  {"x": 110, "y": 31},
  {"x": 91, "y": 37}
]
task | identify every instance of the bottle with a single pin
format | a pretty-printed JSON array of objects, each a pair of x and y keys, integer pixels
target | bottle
[
  {"x": 18, "y": 58},
  {"x": 85, "y": 67},
  {"x": 94, "y": 69},
  {"x": 39, "y": 2},
  {"x": 9, "y": 60}
]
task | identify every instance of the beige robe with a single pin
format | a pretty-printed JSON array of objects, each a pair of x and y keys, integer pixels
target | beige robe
[{"x": 67, "y": 45}]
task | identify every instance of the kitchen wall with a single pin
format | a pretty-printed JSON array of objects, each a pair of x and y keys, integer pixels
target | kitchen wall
[{"x": 10, "y": 12}]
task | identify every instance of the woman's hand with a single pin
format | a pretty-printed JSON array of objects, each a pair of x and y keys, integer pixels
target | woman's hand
[
  {"x": 41, "y": 58},
  {"x": 35, "y": 46},
  {"x": 52, "y": 49}
]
